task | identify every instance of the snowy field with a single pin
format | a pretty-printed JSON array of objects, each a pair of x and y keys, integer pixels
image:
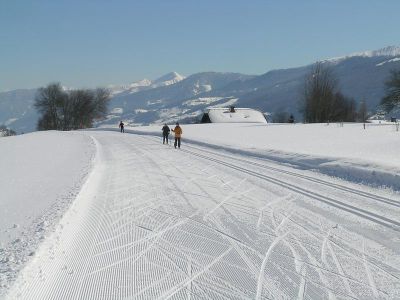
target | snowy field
[{"x": 242, "y": 211}]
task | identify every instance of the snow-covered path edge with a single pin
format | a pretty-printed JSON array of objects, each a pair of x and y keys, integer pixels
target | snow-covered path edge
[
  {"x": 368, "y": 174},
  {"x": 41, "y": 221},
  {"x": 82, "y": 202}
]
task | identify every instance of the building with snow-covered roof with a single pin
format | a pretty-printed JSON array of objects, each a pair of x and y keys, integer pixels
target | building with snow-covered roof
[{"x": 232, "y": 115}]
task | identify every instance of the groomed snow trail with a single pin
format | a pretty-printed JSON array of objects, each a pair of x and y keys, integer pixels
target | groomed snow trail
[{"x": 153, "y": 222}]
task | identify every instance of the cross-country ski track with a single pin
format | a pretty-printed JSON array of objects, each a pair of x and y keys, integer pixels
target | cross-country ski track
[{"x": 154, "y": 222}]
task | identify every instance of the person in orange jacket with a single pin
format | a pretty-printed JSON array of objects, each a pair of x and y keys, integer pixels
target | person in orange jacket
[{"x": 178, "y": 133}]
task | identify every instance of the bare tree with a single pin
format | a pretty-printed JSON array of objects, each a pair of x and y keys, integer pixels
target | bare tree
[
  {"x": 49, "y": 102},
  {"x": 74, "y": 109},
  {"x": 392, "y": 97},
  {"x": 102, "y": 97},
  {"x": 362, "y": 111},
  {"x": 319, "y": 94},
  {"x": 322, "y": 101}
]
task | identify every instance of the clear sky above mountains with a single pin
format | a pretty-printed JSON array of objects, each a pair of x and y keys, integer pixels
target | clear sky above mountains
[{"x": 89, "y": 43}]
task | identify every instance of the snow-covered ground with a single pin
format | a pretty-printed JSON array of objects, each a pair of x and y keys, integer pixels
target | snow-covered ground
[
  {"x": 370, "y": 156},
  {"x": 40, "y": 175},
  {"x": 237, "y": 214}
]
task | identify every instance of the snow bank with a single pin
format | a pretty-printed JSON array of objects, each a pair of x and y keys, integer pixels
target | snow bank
[
  {"x": 39, "y": 176},
  {"x": 370, "y": 156}
]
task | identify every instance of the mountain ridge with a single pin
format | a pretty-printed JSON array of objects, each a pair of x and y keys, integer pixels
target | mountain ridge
[{"x": 174, "y": 97}]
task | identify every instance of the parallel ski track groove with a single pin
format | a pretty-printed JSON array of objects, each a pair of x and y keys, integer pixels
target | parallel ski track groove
[
  {"x": 378, "y": 219},
  {"x": 349, "y": 190},
  {"x": 305, "y": 177},
  {"x": 149, "y": 239},
  {"x": 294, "y": 174}
]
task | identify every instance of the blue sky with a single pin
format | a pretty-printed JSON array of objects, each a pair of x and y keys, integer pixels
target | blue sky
[{"x": 90, "y": 43}]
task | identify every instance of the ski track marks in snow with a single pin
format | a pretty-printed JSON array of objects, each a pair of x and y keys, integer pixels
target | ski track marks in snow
[{"x": 153, "y": 222}]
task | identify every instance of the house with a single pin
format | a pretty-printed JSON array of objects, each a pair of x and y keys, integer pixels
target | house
[{"x": 232, "y": 115}]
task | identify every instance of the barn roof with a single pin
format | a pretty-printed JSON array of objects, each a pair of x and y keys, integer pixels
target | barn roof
[{"x": 235, "y": 115}]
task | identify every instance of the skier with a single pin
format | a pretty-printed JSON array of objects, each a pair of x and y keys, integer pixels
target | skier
[
  {"x": 165, "y": 131},
  {"x": 178, "y": 132},
  {"x": 121, "y": 125}
]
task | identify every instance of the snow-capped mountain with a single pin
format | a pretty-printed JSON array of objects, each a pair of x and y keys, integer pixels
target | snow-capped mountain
[
  {"x": 165, "y": 103},
  {"x": 168, "y": 79},
  {"x": 146, "y": 84},
  {"x": 174, "y": 97},
  {"x": 389, "y": 51},
  {"x": 361, "y": 76},
  {"x": 131, "y": 88}
]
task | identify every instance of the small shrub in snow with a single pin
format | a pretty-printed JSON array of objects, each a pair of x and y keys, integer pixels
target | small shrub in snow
[{"x": 4, "y": 131}]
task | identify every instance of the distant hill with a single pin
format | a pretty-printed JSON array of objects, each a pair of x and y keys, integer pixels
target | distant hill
[
  {"x": 168, "y": 102},
  {"x": 359, "y": 77},
  {"x": 17, "y": 111},
  {"x": 173, "y": 97}
]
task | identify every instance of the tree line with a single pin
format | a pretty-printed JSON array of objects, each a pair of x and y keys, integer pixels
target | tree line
[
  {"x": 322, "y": 101},
  {"x": 62, "y": 109}
]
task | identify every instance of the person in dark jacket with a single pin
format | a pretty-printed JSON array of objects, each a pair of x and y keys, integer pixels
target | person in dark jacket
[
  {"x": 121, "y": 126},
  {"x": 178, "y": 133},
  {"x": 165, "y": 132}
]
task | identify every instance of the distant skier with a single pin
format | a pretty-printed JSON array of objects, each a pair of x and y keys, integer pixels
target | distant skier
[
  {"x": 121, "y": 126},
  {"x": 178, "y": 132},
  {"x": 165, "y": 132}
]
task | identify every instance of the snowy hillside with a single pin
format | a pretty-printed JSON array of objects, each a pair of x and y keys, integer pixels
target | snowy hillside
[
  {"x": 168, "y": 79},
  {"x": 145, "y": 84},
  {"x": 173, "y": 97},
  {"x": 130, "y": 88},
  {"x": 389, "y": 51},
  {"x": 241, "y": 211},
  {"x": 171, "y": 102},
  {"x": 17, "y": 111}
]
